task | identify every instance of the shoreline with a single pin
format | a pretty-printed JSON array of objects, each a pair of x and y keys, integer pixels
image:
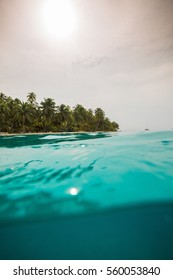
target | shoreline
[
  {"x": 50, "y": 132},
  {"x": 78, "y": 132}
]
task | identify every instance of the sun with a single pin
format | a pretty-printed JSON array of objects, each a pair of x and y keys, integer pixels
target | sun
[{"x": 60, "y": 18}]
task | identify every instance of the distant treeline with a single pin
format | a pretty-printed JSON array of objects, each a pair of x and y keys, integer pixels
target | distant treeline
[{"x": 17, "y": 116}]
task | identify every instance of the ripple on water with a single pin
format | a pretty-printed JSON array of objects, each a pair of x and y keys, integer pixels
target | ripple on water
[{"x": 91, "y": 172}]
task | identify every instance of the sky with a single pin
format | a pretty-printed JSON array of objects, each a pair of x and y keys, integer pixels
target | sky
[{"x": 119, "y": 56}]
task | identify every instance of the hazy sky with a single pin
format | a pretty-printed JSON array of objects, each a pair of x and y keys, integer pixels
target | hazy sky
[{"x": 120, "y": 58}]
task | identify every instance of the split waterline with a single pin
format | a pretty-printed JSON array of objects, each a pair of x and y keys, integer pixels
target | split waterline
[{"x": 83, "y": 179}]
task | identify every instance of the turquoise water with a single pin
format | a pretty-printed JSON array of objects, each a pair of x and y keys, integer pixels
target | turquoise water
[{"x": 87, "y": 196}]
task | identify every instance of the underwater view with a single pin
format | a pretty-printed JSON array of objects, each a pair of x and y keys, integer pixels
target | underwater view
[{"x": 87, "y": 196}]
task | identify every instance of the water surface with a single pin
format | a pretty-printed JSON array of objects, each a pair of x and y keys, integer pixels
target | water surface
[{"x": 105, "y": 180}]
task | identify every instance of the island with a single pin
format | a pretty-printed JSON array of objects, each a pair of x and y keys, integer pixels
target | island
[{"x": 29, "y": 116}]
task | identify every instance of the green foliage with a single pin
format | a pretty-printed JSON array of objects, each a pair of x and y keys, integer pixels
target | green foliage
[{"x": 19, "y": 117}]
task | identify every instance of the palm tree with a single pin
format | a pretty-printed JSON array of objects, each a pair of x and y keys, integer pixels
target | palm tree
[
  {"x": 90, "y": 120},
  {"x": 13, "y": 107},
  {"x": 64, "y": 119},
  {"x": 115, "y": 126},
  {"x": 63, "y": 112},
  {"x": 3, "y": 97},
  {"x": 31, "y": 98},
  {"x": 3, "y": 114},
  {"x": 25, "y": 115},
  {"x": 48, "y": 109},
  {"x": 99, "y": 118},
  {"x": 80, "y": 116}
]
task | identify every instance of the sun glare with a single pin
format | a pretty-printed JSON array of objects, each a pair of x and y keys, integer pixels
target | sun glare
[
  {"x": 73, "y": 191},
  {"x": 60, "y": 19}
]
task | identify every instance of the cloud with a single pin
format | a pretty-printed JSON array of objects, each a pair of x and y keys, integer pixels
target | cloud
[{"x": 89, "y": 62}]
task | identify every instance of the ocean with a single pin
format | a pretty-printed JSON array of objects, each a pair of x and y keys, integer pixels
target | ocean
[{"x": 87, "y": 196}]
